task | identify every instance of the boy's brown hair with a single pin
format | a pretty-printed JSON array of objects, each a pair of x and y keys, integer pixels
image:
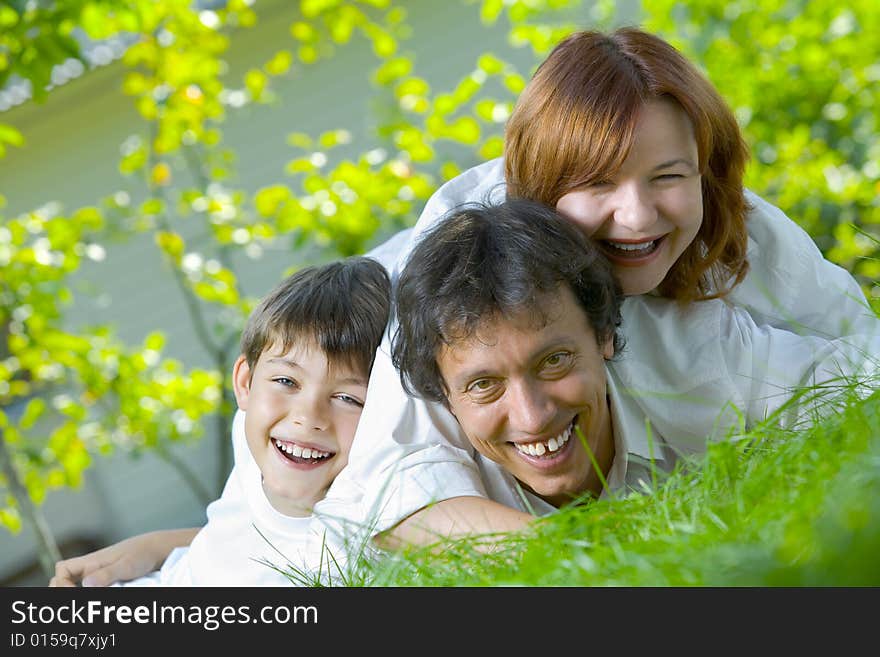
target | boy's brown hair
[{"x": 342, "y": 307}]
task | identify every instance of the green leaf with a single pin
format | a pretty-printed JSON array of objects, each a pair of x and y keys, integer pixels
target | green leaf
[
  {"x": 171, "y": 243},
  {"x": 393, "y": 69},
  {"x": 32, "y": 412},
  {"x": 269, "y": 199},
  {"x": 465, "y": 130},
  {"x": 490, "y": 63},
  {"x": 280, "y": 63},
  {"x": 256, "y": 82},
  {"x": 154, "y": 341},
  {"x": 490, "y": 11},
  {"x": 10, "y": 135}
]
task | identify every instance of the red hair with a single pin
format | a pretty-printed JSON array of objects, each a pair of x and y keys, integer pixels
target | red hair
[{"x": 574, "y": 123}]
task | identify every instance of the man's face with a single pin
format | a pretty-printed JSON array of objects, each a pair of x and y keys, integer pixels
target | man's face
[
  {"x": 518, "y": 392},
  {"x": 300, "y": 422}
]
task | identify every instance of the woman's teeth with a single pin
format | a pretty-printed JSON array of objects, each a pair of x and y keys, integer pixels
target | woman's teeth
[{"x": 642, "y": 248}]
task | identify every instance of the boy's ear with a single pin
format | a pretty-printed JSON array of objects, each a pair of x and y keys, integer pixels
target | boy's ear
[
  {"x": 241, "y": 381},
  {"x": 608, "y": 348}
]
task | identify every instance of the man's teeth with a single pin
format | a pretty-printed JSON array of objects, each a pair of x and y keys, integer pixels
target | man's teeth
[
  {"x": 541, "y": 448},
  {"x": 301, "y": 452},
  {"x": 623, "y": 246}
]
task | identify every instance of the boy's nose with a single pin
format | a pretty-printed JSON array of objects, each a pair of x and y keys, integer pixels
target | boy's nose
[
  {"x": 311, "y": 424},
  {"x": 310, "y": 415}
]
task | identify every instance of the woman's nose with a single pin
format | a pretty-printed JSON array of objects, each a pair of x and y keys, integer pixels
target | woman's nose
[{"x": 635, "y": 209}]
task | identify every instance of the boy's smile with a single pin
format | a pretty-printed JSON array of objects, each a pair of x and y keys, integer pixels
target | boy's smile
[
  {"x": 299, "y": 454},
  {"x": 301, "y": 416}
]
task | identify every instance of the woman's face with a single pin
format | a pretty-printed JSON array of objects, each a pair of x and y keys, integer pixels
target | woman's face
[{"x": 649, "y": 212}]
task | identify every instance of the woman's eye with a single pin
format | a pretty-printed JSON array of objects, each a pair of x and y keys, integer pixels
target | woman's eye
[{"x": 670, "y": 176}]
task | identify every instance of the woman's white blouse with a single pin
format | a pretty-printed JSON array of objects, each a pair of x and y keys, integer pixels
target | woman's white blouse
[{"x": 692, "y": 374}]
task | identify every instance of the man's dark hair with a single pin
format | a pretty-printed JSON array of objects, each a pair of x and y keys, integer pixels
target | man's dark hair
[
  {"x": 342, "y": 306},
  {"x": 484, "y": 261}
]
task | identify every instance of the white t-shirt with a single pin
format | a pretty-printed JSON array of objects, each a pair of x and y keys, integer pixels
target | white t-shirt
[
  {"x": 408, "y": 453},
  {"x": 245, "y": 542},
  {"x": 693, "y": 374}
]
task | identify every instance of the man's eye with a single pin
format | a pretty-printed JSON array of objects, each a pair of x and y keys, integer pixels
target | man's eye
[
  {"x": 558, "y": 360},
  {"x": 480, "y": 386}
]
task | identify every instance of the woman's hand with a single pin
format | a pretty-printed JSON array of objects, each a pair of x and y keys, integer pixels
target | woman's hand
[{"x": 126, "y": 560}]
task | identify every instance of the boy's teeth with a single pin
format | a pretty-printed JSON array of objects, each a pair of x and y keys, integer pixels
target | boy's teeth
[
  {"x": 540, "y": 448},
  {"x": 301, "y": 452}
]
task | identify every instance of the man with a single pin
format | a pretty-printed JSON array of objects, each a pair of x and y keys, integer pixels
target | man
[{"x": 508, "y": 323}]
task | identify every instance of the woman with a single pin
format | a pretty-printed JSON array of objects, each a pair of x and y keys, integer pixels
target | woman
[{"x": 626, "y": 138}]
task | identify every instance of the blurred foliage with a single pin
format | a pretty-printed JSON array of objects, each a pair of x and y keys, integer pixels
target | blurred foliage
[
  {"x": 64, "y": 396},
  {"x": 37, "y": 36},
  {"x": 801, "y": 76}
]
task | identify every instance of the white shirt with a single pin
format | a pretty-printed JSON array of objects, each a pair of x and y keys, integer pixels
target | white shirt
[
  {"x": 691, "y": 374},
  {"x": 408, "y": 453},
  {"x": 245, "y": 542}
]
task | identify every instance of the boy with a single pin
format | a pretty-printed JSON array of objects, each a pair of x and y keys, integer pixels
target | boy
[{"x": 306, "y": 355}]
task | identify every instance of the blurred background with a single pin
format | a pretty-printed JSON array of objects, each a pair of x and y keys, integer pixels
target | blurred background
[{"x": 163, "y": 163}]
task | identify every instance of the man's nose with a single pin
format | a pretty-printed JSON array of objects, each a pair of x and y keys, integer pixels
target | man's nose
[{"x": 532, "y": 410}]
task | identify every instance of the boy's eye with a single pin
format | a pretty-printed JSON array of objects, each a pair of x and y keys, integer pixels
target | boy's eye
[
  {"x": 286, "y": 382},
  {"x": 348, "y": 399}
]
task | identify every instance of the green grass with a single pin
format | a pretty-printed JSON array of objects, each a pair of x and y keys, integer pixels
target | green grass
[{"x": 777, "y": 508}]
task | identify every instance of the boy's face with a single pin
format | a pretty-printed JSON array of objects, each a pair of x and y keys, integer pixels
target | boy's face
[
  {"x": 300, "y": 421},
  {"x": 518, "y": 392}
]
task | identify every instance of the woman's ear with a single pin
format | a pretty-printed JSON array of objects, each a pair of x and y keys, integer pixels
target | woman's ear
[{"x": 241, "y": 381}]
